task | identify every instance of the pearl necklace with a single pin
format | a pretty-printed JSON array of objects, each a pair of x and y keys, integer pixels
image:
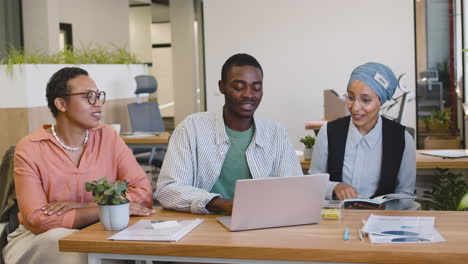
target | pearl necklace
[{"x": 63, "y": 144}]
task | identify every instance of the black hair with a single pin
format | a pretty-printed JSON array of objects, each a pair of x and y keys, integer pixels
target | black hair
[
  {"x": 58, "y": 85},
  {"x": 240, "y": 59}
]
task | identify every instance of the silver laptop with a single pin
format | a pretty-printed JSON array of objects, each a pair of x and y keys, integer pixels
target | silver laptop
[{"x": 275, "y": 202}]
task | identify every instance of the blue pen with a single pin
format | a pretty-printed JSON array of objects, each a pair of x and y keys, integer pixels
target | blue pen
[{"x": 346, "y": 234}]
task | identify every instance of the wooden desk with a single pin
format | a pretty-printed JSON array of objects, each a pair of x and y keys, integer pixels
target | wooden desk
[
  {"x": 422, "y": 162},
  {"x": 432, "y": 162},
  {"x": 323, "y": 242},
  {"x": 160, "y": 140},
  {"x": 157, "y": 141},
  {"x": 315, "y": 125}
]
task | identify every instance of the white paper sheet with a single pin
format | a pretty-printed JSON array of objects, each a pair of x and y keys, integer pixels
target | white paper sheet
[{"x": 401, "y": 229}]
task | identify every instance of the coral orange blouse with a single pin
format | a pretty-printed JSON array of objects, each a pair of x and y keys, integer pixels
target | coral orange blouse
[{"x": 44, "y": 173}]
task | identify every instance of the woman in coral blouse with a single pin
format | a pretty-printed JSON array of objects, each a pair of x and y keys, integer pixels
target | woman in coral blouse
[{"x": 53, "y": 163}]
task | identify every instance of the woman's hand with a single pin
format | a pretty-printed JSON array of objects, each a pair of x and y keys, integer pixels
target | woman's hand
[
  {"x": 345, "y": 191},
  {"x": 62, "y": 207},
  {"x": 368, "y": 206},
  {"x": 137, "y": 209}
]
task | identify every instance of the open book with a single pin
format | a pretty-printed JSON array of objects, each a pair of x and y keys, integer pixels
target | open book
[
  {"x": 376, "y": 201},
  {"x": 157, "y": 230}
]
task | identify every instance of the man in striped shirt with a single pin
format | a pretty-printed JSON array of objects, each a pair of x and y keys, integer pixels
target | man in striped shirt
[{"x": 208, "y": 152}]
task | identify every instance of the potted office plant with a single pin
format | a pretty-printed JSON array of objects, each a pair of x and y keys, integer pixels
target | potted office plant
[
  {"x": 439, "y": 120},
  {"x": 448, "y": 193},
  {"x": 439, "y": 124},
  {"x": 308, "y": 142},
  {"x": 114, "y": 206}
]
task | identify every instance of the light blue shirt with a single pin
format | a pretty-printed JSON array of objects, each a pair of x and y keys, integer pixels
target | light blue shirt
[
  {"x": 196, "y": 153},
  {"x": 362, "y": 163}
]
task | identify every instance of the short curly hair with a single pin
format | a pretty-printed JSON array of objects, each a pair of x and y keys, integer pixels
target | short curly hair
[
  {"x": 240, "y": 59},
  {"x": 58, "y": 85}
]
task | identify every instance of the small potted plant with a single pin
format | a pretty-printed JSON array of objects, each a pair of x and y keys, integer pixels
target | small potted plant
[
  {"x": 309, "y": 142},
  {"x": 439, "y": 120},
  {"x": 114, "y": 206}
]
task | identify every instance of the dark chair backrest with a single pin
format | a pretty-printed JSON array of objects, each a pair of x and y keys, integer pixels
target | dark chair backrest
[
  {"x": 146, "y": 117},
  {"x": 146, "y": 84},
  {"x": 7, "y": 184},
  {"x": 8, "y": 204}
]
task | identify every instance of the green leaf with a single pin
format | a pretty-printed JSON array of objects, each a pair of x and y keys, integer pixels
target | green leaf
[
  {"x": 463, "y": 203},
  {"x": 109, "y": 191},
  {"x": 116, "y": 200}
]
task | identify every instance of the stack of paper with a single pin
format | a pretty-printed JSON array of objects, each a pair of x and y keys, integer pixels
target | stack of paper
[
  {"x": 401, "y": 229},
  {"x": 157, "y": 230}
]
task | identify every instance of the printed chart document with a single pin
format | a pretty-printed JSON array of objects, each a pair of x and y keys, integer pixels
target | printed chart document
[
  {"x": 401, "y": 229},
  {"x": 446, "y": 153},
  {"x": 376, "y": 201},
  {"x": 157, "y": 230}
]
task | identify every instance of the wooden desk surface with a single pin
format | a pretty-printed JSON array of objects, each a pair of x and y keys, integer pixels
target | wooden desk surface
[
  {"x": 422, "y": 162},
  {"x": 432, "y": 162},
  {"x": 315, "y": 124},
  {"x": 162, "y": 138},
  {"x": 319, "y": 242}
]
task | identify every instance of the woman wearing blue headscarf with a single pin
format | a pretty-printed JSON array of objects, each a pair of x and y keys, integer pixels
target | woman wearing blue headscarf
[{"x": 367, "y": 155}]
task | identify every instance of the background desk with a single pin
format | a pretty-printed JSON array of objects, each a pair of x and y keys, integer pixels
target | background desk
[
  {"x": 315, "y": 125},
  {"x": 160, "y": 140},
  {"x": 323, "y": 242},
  {"x": 422, "y": 162}
]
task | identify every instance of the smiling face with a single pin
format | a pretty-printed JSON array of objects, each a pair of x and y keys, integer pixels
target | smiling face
[
  {"x": 365, "y": 110},
  {"x": 243, "y": 91},
  {"x": 76, "y": 108}
]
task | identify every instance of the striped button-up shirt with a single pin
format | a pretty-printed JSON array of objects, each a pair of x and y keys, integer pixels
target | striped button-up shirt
[{"x": 196, "y": 153}]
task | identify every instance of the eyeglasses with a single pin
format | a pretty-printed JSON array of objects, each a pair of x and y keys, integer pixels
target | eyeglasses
[
  {"x": 363, "y": 101},
  {"x": 93, "y": 96}
]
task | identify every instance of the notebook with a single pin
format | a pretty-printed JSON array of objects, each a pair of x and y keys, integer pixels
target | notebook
[{"x": 275, "y": 202}]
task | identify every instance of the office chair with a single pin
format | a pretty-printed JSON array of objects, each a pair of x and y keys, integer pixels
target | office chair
[
  {"x": 397, "y": 103},
  {"x": 8, "y": 205},
  {"x": 145, "y": 116}
]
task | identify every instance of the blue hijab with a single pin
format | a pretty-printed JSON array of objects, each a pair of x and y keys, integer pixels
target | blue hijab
[{"x": 378, "y": 77}]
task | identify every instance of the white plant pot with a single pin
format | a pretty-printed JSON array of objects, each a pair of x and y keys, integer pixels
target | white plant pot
[
  {"x": 308, "y": 154},
  {"x": 114, "y": 217}
]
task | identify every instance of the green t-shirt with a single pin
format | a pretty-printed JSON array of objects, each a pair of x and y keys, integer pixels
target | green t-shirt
[{"x": 235, "y": 165}]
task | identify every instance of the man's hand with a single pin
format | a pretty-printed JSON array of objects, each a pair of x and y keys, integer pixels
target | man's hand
[
  {"x": 137, "y": 209},
  {"x": 62, "y": 207},
  {"x": 344, "y": 191},
  {"x": 220, "y": 205}
]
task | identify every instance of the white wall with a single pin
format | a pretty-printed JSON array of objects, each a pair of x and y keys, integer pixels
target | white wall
[
  {"x": 184, "y": 63},
  {"x": 30, "y": 81},
  {"x": 140, "y": 32},
  {"x": 40, "y": 25},
  {"x": 306, "y": 46},
  {"x": 162, "y": 67},
  {"x": 103, "y": 22}
]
